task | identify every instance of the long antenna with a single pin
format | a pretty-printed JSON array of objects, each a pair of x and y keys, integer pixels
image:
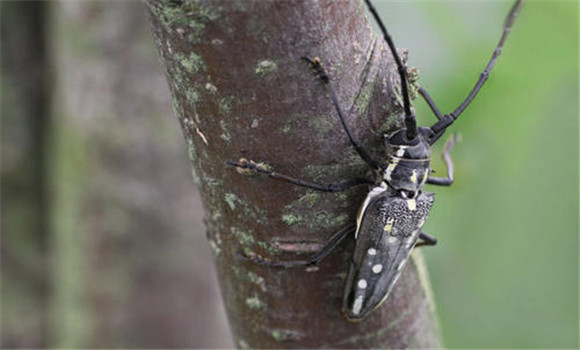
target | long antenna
[
  {"x": 410, "y": 121},
  {"x": 447, "y": 120}
]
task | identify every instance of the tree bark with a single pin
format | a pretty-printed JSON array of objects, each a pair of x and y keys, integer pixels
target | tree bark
[
  {"x": 239, "y": 90},
  {"x": 129, "y": 264},
  {"x": 25, "y": 249}
]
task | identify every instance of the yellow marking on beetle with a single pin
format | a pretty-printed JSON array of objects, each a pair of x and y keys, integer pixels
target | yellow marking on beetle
[
  {"x": 389, "y": 226},
  {"x": 414, "y": 176},
  {"x": 390, "y": 168},
  {"x": 411, "y": 204},
  {"x": 426, "y": 175}
]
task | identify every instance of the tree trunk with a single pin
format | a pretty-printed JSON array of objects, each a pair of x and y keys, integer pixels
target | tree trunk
[
  {"x": 240, "y": 90},
  {"x": 129, "y": 264},
  {"x": 25, "y": 82}
]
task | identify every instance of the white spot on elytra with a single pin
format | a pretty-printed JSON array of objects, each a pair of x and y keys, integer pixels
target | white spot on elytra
[
  {"x": 372, "y": 251},
  {"x": 412, "y": 204},
  {"x": 393, "y": 239},
  {"x": 357, "y": 305},
  {"x": 377, "y": 268},
  {"x": 362, "y": 283}
]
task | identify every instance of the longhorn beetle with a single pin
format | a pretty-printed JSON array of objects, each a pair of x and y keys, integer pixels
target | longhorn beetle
[{"x": 390, "y": 219}]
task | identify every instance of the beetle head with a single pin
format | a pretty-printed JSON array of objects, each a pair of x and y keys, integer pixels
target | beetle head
[{"x": 408, "y": 160}]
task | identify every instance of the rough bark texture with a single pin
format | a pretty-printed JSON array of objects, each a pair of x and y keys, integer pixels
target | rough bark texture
[{"x": 240, "y": 90}]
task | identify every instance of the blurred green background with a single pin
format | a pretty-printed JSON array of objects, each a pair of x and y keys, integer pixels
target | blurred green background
[
  {"x": 102, "y": 240},
  {"x": 505, "y": 271}
]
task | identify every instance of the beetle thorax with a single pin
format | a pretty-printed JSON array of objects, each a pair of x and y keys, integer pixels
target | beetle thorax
[{"x": 408, "y": 162}]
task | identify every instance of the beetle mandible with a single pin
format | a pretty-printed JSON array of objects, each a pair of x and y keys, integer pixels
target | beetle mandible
[{"x": 389, "y": 222}]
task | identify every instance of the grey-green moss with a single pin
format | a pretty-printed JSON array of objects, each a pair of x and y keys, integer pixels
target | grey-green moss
[
  {"x": 226, "y": 104},
  {"x": 254, "y": 212},
  {"x": 189, "y": 19},
  {"x": 321, "y": 123},
  {"x": 287, "y": 128},
  {"x": 242, "y": 344},
  {"x": 324, "y": 219},
  {"x": 192, "y": 63},
  {"x": 211, "y": 88},
  {"x": 390, "y": 122},
  {"x": 244, "y": 238},
  {"x": 313, "y": 220},
  {"x": 257, "y": 280},
  {"x": 225, "y": 135},
  {"x": 192, "y": 95},
  {"x": 413, "y": 77},
  {"x": 176, "y": 109},
  {"x": 248, "y": 242},
  {"x": 212, "y": 183},
  {"x": 231, "y": 199},
  {"x": 255, "y": 303},
  {"x": 291, "y": 219},
  {"x": 285, "y": 334},
  {"x": 277, "y": 335},
  {"x": 349, "y": 164},
  {"x": 310, "y": 198},
  {"x": 265, "y": 67},
  {"x": 214, "y": 247},
  {"x": 365, "y": 96},
  {"x": 341, "y": 198},
  {"x": 256, "y": 28},
  {"x": 267, "y": 247},
  {"x": 251, "y": 277}
]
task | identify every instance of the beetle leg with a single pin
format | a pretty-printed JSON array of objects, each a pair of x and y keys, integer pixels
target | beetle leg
[
  {"x": 313, "y": 260},
  {"x": 321, "y": 73},
  {"x": 446, "y": 181},
  {"x": 249, "y": 165},
  {"x": 431, "y": 103},
  {"x": 426, "y": 240}
]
